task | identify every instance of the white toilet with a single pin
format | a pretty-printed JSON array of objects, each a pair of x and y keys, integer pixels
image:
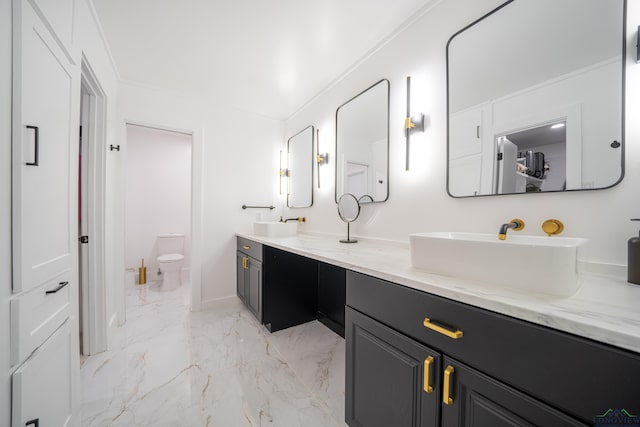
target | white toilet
[{"x": 170, "y": 260}]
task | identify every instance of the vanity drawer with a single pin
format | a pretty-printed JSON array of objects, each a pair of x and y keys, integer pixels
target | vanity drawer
[
  {"x": 581, "y": 377},
  {"x": 41, "y": 386},
  {"x": 35, "y": 315},
  {"x": 250, "y": 248}
]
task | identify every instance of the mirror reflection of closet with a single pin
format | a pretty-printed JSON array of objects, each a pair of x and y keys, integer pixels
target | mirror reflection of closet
[
  {"x": 362, "y": 145},
  {"x": 535, "y": 98},
  {"x": 539, "y": 155},
  {"x": 300, "y": 165}
]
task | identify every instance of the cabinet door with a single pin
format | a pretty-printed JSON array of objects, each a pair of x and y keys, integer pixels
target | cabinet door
[
  {"x": 391, "y": 379},
  {"x": 59, "y": 15},
  {"x": 42, "y": 135},
  {"x": 472, "y": 399},
  {"x": 240, "y": 274},
  {"x": 465, "y": 175},
  {"x": 253, "y": 289},
  {"x": 42, "y": 384},
  {"x": 465, "y": 133}
]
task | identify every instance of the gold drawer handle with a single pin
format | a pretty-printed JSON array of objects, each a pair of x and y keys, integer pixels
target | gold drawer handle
[
  {"x": 246, "y": 247},
  {"x": 244, "y": 263},
  {"x": 427, "y": 371},
  {"x": 457, "y": 334},
  {"x": 446, "y": 390}
]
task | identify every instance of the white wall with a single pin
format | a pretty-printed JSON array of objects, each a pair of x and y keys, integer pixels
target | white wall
[
  {"x": 5, "y": 209},
  {"x": 158, "y": 193},
  {"x": 418, "y": 201},
  {"x": 236, "y": 157}
]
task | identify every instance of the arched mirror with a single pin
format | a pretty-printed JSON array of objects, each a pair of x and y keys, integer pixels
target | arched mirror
[
  {"x": 362, "y": 145},
  {"x": 300, "y": 165},
  {"x": 535, "y": 98}
]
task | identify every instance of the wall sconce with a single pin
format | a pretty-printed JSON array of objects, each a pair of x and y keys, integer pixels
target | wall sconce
[
  {"x": 411, "y": 124},
  {"x": 284, "y": 173},
  {"x": 321, "y": 159}
]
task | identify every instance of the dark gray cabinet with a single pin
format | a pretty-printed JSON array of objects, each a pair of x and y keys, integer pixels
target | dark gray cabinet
[
  {"x": 249, "y": 275},
  {"x": 477, "y": 400},
  {"x": 495, "y": 370},
  {"x": 391, "y": 380},
  {"x": 284, "y": 289},
  {"x": 241, "y": 259}
]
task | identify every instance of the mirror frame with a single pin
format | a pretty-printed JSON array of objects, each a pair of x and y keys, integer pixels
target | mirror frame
[
  {"x": 623, "y": 110},
  {"x": 311, "y": 166},
  {"x": 336, "y": 196}
]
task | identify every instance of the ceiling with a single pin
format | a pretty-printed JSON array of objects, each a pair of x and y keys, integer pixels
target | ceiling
[{"x": 268, "y": 57}]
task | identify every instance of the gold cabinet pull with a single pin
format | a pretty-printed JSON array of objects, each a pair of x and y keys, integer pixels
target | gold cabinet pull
[
  {"x": 244, "y": 263},
  {"x": 446, "y": 389},
  {"x": 246, "y": 247},
  {"x": 427, "y": 371},
  {"x": 457, "y": 334}
]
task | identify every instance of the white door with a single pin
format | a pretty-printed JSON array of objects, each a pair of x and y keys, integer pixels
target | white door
[
  {"x": 465, "y": 176},
  {"x": 83, "y": 224},
  {"x": 507, "y": 157},
  {"x": 42, "y": 85}
]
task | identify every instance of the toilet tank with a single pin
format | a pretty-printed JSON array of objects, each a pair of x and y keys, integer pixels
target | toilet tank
[{"x": 171, "y": 243}]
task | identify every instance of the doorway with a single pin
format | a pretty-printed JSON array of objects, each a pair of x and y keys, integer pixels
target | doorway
[
  {"x": 157, "y": 202},
  {"x": 91, "y": 220}
]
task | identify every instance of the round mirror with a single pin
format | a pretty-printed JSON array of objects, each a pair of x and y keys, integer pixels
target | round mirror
[{"x": 348, "y": 210}]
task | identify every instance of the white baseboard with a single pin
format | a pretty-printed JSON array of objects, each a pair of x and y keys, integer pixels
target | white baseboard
[{"x": 211, "y": 303}]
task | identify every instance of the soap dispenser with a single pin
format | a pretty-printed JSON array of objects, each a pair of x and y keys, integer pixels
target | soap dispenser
[{"x": 633, "y": 259}]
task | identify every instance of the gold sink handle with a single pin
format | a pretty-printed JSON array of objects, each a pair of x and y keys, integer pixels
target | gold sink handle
[{"x": 552, "y": 227}]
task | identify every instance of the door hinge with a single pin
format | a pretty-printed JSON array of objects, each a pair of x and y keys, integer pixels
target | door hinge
[
  {"x": 114, "y": 147},
  {"x": 84, "y": 239},
  {"x": 499, "y": 156}
]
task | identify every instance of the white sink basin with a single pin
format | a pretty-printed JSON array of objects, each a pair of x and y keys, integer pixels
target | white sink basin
[
  {"x": 538, "y": 264},
  {"x": 275, "y": 228}
]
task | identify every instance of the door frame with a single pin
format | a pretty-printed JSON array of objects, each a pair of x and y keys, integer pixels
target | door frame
[
  {"x": 195, "y": 268},
  {"x": 94, "y": 317}
]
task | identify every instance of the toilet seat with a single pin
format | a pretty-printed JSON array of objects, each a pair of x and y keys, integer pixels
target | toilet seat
[{"x": 167, "y": 258}]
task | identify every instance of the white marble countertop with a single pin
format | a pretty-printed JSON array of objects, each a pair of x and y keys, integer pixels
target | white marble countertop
[{"x": 604, "y": 309}]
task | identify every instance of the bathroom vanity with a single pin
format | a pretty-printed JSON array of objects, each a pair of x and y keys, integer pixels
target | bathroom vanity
[
  {"x": 425, "y": 350},
  {"x": 446, "y": 362},
  {"x": 283, "y": 289}
]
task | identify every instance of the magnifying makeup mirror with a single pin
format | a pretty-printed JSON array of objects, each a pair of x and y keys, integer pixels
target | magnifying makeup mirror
[{"x": 348, "y": 210}]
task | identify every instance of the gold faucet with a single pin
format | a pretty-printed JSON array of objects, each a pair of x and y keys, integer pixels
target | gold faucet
[
  {"x": 516, "y": 224},
  {"x": 299, "y": 219},
  {"x": 552, "y": 227}
]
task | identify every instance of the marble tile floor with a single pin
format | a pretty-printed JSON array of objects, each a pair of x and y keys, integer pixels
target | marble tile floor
[{"x": 219, "y": 367}]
